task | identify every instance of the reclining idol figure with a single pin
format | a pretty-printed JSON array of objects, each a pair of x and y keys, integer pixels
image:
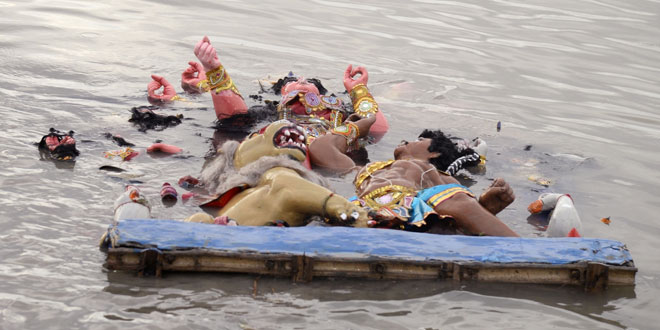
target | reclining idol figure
[
  {"x": 302, "y": 102},
  {"x": 414, "y": 191}
]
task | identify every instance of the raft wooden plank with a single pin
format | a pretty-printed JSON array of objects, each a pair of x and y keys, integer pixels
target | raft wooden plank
[{"x": 307, "y": 252}]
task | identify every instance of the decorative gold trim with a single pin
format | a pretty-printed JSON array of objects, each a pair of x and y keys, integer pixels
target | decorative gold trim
[
  {"x": 359, "y": 91},
  {"x": 337, "y": 118},
  {"x": 309, "y": 108},
  {"x": 203, "y": 85},
  {"x": 363, "y": 102},
  {"x": 219, "y": 80},
  {"x": 216, "y": 76},
  {"x": 369, "y": 170},
  {"x": 177, "y": 98},
  {"x": 349, "y": 130},
  {"x": 398, "y": 193}
]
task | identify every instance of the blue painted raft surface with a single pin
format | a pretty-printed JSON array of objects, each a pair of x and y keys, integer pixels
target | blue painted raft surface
[{"x": 362, "y": 244}]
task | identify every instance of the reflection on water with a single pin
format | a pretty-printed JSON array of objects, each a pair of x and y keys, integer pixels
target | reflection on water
[
  {"x": 576, "y": 81},
  {"x": 350, "y": 302}
]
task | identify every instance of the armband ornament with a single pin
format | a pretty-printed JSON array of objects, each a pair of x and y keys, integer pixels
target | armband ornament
[
  {"x": 363, "y": 103},
  {"x": 219, "y": 80}
]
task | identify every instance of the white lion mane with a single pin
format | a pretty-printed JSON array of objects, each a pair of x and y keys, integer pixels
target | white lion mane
[{"x": 220, "y": 175}]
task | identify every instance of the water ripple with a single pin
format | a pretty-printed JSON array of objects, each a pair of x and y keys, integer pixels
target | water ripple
[
  {"x": 439, "y": 45},
  {"x": 470, "y": 6},
  {"x": 532, "y": 44},
  {"x": 565, "y": 86},
  {"x": 349, "y": 5},
  {"x": 593, "y": 17},
  {"x": 435, "y": 23},
  {"x": 49, "y": 304},
  {"x": 636, "y": 44},
  {"x": 621, "y": 9},
  {"x": 274, "y": 48}
]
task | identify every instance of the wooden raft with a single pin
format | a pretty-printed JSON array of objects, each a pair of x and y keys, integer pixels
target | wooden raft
[{"x": 303, "y": 253}]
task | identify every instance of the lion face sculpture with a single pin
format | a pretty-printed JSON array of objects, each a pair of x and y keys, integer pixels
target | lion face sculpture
[
  {"x": 280, "y": 138},
  {"x": 262, "y": 181}
]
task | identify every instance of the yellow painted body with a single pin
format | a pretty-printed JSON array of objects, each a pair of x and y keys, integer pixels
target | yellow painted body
[{"x": 281, "y": 194}]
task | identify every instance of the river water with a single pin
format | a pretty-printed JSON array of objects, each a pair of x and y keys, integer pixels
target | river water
[{"x": 574, "y": 82}]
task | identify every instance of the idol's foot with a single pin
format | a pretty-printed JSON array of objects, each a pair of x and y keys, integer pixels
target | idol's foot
[{"x": 201, "y": 217}]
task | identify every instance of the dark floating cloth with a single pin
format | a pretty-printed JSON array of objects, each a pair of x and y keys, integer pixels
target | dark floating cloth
[
  {"x": 111, "y": 168},
  {"x": 120, "y": 141},
  {"x": 58, "y": 145},
  {"x": 146, "y": 118},
  {"x": 266, "y": 112}
]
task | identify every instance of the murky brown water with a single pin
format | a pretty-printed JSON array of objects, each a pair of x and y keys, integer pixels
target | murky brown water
[{"x": 576, "y": 80}]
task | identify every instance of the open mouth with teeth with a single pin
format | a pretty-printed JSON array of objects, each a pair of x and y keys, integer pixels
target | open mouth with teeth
[{"x": 291, "y": 137}]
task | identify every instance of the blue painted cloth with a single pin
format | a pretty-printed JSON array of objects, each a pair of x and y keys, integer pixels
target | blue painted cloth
[
  {"x": 435, "y": 195},
  {"x": 410, "y": 212}
]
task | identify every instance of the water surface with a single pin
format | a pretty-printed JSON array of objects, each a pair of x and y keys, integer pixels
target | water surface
[{"x": 575, "y": 80}]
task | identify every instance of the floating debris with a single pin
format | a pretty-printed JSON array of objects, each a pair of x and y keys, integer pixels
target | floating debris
[
  {"x": 186, "y": 196},
  {"x": 111, "y": 168},
  {"x": 168, "y": 194},
  {"x": 606, "y": 220},
  {"x": 125, "y": 154},
  {"x": 145, "y": 118},
  {"x": 58, "y": 145},
  {"x": 540, "y": 180},
  {"x": 119, "y": 140},
  {"x": 188, "y": 182}
]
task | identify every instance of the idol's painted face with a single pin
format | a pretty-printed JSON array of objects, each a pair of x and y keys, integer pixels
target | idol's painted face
[
  {"x": 416, "y": 149},
  {"x": 301, "y": 85}
]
